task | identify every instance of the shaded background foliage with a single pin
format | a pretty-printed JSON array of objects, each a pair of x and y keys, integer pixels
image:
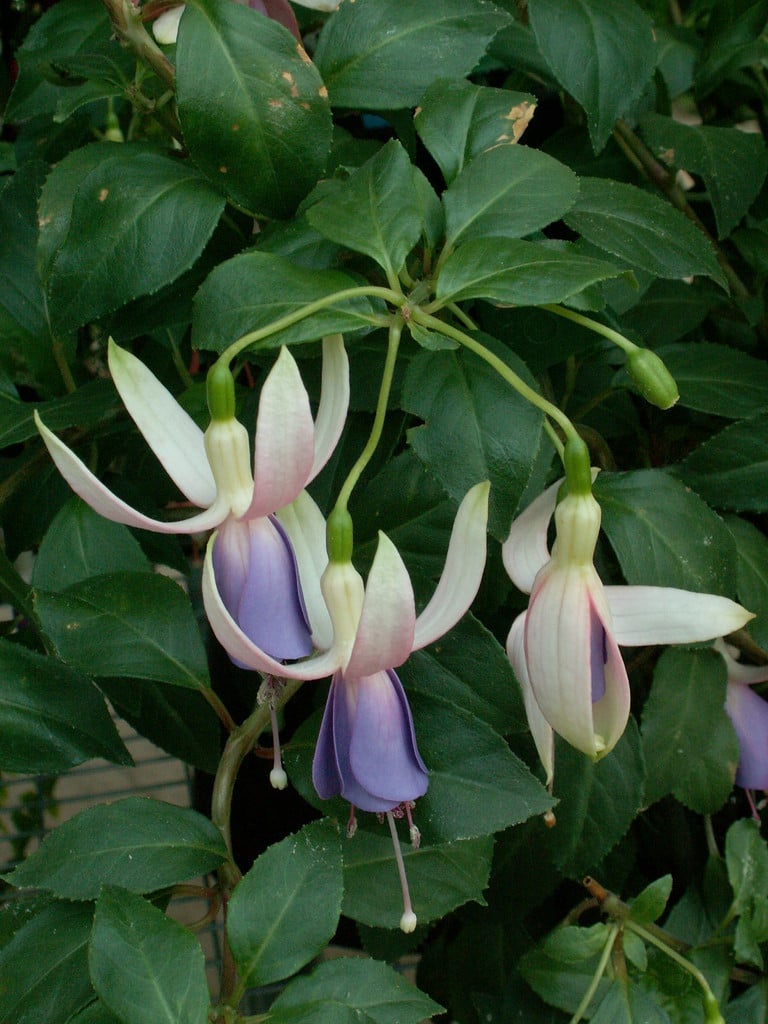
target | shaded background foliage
[{"x": 635, "y": 194}]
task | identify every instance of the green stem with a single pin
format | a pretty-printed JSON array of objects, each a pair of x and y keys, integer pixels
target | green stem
[
  {"x": 613, "y": 931},
  {"x": 595, "y": 326},
  {"x": 395, "y": 331},
  {"x": 238, "y": 746},
  {"x": 648, "y": 936},
  {"x": 395, "y": 298},
  {"x": 181, "y": 368},
  {"x": 504, "y": 371},
  {"x": 555, "y": 439},
  {"x": 63, "y": 366},
  {"x": 219, "y": 707},
  {"x": 126, "y": 21}
]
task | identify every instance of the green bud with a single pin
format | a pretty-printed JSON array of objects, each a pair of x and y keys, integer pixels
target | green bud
[
  {"x": 338, "y": 536},
  {"x": 578, "y": 471},
  {"x": 220, "y": 386},
  {"x": 654, "y": 381}
]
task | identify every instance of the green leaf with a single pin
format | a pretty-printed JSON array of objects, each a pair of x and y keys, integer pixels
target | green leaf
[
  {"x": 476, "y": 784},
  {"x": 16, "y": 590},
  {"x": 177, "y": 720},
  {"x": 286, "y": 909},
  {"x": 44, "y": 968},
  {"x": 252, "y": 290},
  {"x": 475, "y": 427},
  {"x": 440, "y": 878},
  {"x": 252, "y": 106},
  {"x": 165, "y": 964},
  {"x": 598, "y": 802},
  {"x": 80, "y": 543},
  {"x": 652, "y": 901},
  {"x": 752, "y": 575},
  {"x": 145, "y": 844},
  {"x": 561, "y": 967},
  {"x": 690, "y": 748},
  {"x": 717, "y": 379},
  {"x": 602, "y": 52},
  {"x": 667, "y": 310},
  {"x": 133, "y": 222},
  {"x": 96, "y": 1013},
  {"x": 746, "y": 859},
  {"x": 73, "y": 27},
  {"x": 663, "y": 534},
  {"x": 518, "y": 273},
  {"x": 458, "y": 120},
  {"x": 448, "y": 669},
  {"x": 22, "y": 295},
  {"x": 51, "y": 717},
  {"x": 731, "y": 469},
  {"x": 125, "y": 623},
  {"x": 91, "y": 404},
  {"x": 642, "y": 230},
  {"x": 382, "y": 54},
  {"x": 352, "y": 990},
  {"x": 732, "y": 163},
  {"x": 733, "y": 41},
  {"x": 751, "y": 1007},
  {"x": 626, "y": 1004},
  {"x": 507, "y": 192},
  {"x": 376, "y": 211}
]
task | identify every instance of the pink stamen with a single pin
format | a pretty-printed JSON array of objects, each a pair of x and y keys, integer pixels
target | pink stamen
[
  {"x": 412, "y": 829},
  {"x": 408, "y": 921},
  {"x": 352, "y": 822},
  {"x": 753, "y": 808}
]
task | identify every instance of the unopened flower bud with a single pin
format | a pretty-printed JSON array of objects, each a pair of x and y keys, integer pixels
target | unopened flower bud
[
  {"x": 220, "y": 386},
  {"x": 653, "y": 380},
  {"x": 578, "y": 469},
  {"x": 278, "y": 779},
  {"x": 339, "y": 535}
]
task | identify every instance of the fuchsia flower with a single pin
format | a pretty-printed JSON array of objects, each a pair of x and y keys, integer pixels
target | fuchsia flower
[
  {"x": 565, "y": 647},
  {"x": 749, "y": 715},
  {"x": 363, "y": 630},
  {"x": 366, "y": 750},
  {"x": 254, "y": 561}
]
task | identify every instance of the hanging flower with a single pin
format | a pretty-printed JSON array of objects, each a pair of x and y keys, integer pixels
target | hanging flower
[
  {"x": 254, "y": 561},
  {"x": 565, "y": 647},
  {"x": 366, "y": 750}
]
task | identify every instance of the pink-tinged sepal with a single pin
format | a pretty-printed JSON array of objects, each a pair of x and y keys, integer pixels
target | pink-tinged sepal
[
  {"x": 464, "y": 565},
  {"x": 102, "y": 500},
  {"x": 284, "y": 447},
  {"x": 170, "y": 432},
  {"x": 334, "y": 401},
  {"x": 574, "y": 665},
  {"x": 541, "y": 730},
  {"x": 385, "y": 629},
  {"x": 665, "y": 615}
]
